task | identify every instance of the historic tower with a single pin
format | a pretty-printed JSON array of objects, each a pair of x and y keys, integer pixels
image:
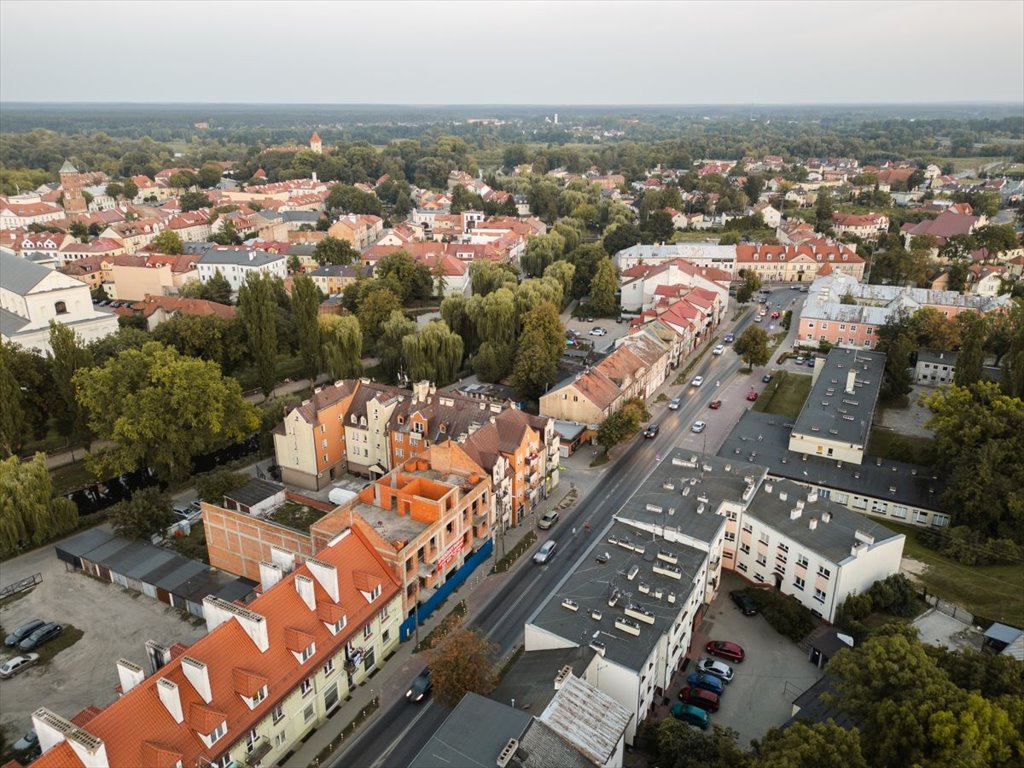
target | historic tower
[
  {"x": 315, "y": 144},
  {"x": 71, "y": 183}
]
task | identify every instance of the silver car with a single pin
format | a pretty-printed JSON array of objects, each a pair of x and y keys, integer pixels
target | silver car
[
  {"x": 698, "y": 426},
  {"x": 545, "y": 553},
  {"x": 719, "y": 669},
  {"x": 11, "y": 667}
]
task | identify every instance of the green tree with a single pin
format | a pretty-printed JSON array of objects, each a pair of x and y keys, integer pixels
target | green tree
[
  {"x": 933, "y": 330},
  {"x": 752, "y": 347},
  {"x": 306, "y": 298},
  {"x": 193, "y": 201},
  {"x": 972, "y": 352},
  {"x": 563, "y": 272},
  {"x": 455, "y": 313},
  {"x": 823, "y": 212},
  {"x": 209, "y": 175},
  {"x": 585, "y": 260},
  {"x": 146, "y": 514},
  {"x": 1013, "y": 356},
  {"x": 494, "y": 316},
  {"x": 29, "y": 512},
  {"x": 183, "y": 179},
  {"x": 603, "y": 287},
  {"x": 115, "y": 189},
  {"x": 161, "y": 409},
  {"x": 332, "y": 250},
  {"x": 541, "y": 251},
  {"x": 228, "y": 234},
  {"x": 821, "y": 745},
  {"x": 493, "y": 361},
  {"x": 213, "y": 486},
  {"x": 461, "y": 662},
  {"x": 131, "y": 190},
  {"x": 391, "y": 342},
  {"x": 997, "y": 238},
  {"x": 751, "y": 284},
  {"x": 374, "y": 310},
  {"x": 110, "y": 346},
  {"x": 342, "y": 346},
  {"x": 217, "y": 289},
  {"x": 12, "y": 415},
  {"x": 434, "y": 354},
  {"x": 540, "y": 348},
  {"x": 732, "y": 237},
  {"x": 488, "y": 276},
  {"x": 896, "y": 341},
  {"x": 207, "y": 337},
  {"x": 958, "y": 271},
  {"x": 68, "y": 356},
  {"x": 256, "y": 309},
  {"x": 168, "y": 242},
  {"x": 618, "y": 237}
]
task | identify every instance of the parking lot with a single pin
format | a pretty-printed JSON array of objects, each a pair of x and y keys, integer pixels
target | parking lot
[
  {"x": 115, "y": 623},
  {"x": 774, "y": 672},
  {"x": 604, "y": 343}
]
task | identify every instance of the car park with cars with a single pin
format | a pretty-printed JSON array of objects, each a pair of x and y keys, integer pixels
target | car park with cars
[
  {"x": 41, "y": 636},
  {"x": 719, "y": 669},
  {"x": 725, "y": 650},
  {"x": 545, "y": 553},
  {"x": 706, "y": 682},
  {"x": 597, "y": 330},
  {"x": 11, "y": 667},
  {"x": 691, "y": 715},
  {"x": 28, "y": 744},
  {"x": 547, "y": 520},
  {"x": 698, "y": 697}
]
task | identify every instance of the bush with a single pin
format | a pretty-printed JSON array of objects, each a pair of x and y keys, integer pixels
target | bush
[
  {"x": 784, "y": 612},
  {"x": 211, "y": 486},
  {"x": 894, "y": 595},
  {"x": 851, "y": 613}
]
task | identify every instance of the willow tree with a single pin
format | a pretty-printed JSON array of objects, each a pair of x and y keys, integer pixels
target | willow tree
[
  {"x": 540, "y": 347},
  {"x": 455, "y": 312},
  {"x": 29, "y": 512},
  {"x": 389, "y": 344},
  {"x": 341, "y": 345},
  {"x": 434, "y": 354},
  {"x": 494, "y": 316},
  {"x": 534, "y": 292}
]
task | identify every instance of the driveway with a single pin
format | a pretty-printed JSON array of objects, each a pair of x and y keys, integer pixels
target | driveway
[{"x": 774, "y": 672}]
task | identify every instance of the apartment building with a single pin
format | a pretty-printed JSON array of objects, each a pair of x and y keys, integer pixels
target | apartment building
[
  {"x": 798, "y": 263},
  {"x": 360, "y": 230},
  {"x": 640, "y": 284},
  {"x": 264, "y": 676},
  {"x": 236, "y": 264}
]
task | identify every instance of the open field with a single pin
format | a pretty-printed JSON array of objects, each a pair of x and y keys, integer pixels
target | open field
[{"x": 784, "y": 395}]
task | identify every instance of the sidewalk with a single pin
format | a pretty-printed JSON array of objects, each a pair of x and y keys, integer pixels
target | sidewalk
[{"x": 478, "y": 591}]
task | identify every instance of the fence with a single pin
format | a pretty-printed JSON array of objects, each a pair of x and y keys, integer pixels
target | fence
[
  {"x": 453, "y": 583},
  {"x": 20, "y": 586},
  {"x": 950, "y": 609}
]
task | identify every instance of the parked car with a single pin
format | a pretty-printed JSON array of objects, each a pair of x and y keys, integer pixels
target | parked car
[
  {"x": 698, "y": 697},
  {"x": 11, "y": 667},
  {"x": 752, "y": 396},
  {"x": 420, "y": 688},
  {"x": 810, "y": 362},
  {"x": 545, "y": 553},
  {"x": 43, "y": 635},
  {"x": 725, "y": 650},
  {"x": 588, "y": 319},
  {"x": 719, "y": 349},
  {"x": 697, "y": 381},
  {"x": 799, "y": 359},
  {"x": 691, "y": 715},
  {"x": 652, "y": 430},
  {"x": 757, "y": 318},
  {"x": 706, "y": 682},
  {"x": 715, "y": 405},
  {"x": 729, "y": 338},
  {"x": 22, "y": 632},
  {"x": 719, "y": 669},
  {"x": 743, "y": 602},
  {"x": 766, "y": 378},
  {"x": 698, "y": 426},
  {"x": 674, "y": 403},
  {"x": 27, "y": 743},
  {"x": 547, "y": 520},
  {"x": 597, "y": 330},
  {"x": 775, "y": 315}
]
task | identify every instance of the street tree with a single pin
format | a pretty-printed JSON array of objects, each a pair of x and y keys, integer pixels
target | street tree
[
  {"x": 212, "y": 486},
  {"x": 29, "y": 512},
  {"x": 333, "y": 250},
  {"x": 751, "y": 284},
  {"x": 168, "y": 242},
  {"x": 434, "y": 353},
  {"x": 603, "y": 287},
  {"x": 256, "y": 309},
  {"x": 341, "y": 341},
  {"x": 161, "y": 409},
  {"x": 306, "y": 298},
  {"x": 461, "y": 662},
  {"x": 68, "y": 355},
  {"x": 752, "y": 347},
  {"x": 540, "y": 347},
  {"x": 145, "y": 514},
  {"x": 390, "y": 342}
]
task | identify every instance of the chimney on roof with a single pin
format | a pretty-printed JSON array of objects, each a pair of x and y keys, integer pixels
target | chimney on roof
[
  {"x": 217, "y": 611},
  {"x": 270, "y": 574},
  {"x": 812, "y": 523},
  {"x": 282, "y": 558},
  {"x": 563, "y": 674},
  {"x": 170, "y": 698},
  {"x": 198, "y": 675},
  {"x": 304, "y": 586},
  {"x": 130, "y": 675},
  {"x": 52, "y": 729},
  {"x": 327, "y": 575}
]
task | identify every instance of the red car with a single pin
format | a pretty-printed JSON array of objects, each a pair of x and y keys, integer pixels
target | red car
[
  {"x": 775, "y": 315},
  {"x": 698, "y": 697},
  {"x": 715, "y": 405},
  {"x": 752, "y": 396},
  {"x": 726, "y": 650}
]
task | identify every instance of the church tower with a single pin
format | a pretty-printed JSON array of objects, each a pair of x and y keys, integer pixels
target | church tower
[
  {"x": 315, "y": 144},
  {"x": 71, "y": 183}
]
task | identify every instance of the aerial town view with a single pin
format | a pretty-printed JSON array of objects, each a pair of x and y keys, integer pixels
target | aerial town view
[{"x": 437, "y": 384}]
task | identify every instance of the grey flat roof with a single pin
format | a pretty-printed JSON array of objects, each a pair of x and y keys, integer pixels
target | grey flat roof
[
  {"x": 831, "y": 411},
  {"x": 591, "y": 584},
  {"x": 763, "y": 438},
  {"x": 569, "y": 430},
  {"x": 84, "y": 542},
  {"x": 149, "y": 563},
  {"x": 531, "y": 680},
  {"x": 934, "y": 356},
  {"x": 473, "y": 735},
  {"x": 832, "y": 539},
  {"x": 254, "y": 491},
  {"x": 240, "y": 256},
  {"x": 588, "y": 718},
  {"x": 1003, "y": 633},
  {"x": 693, "y": 486}
]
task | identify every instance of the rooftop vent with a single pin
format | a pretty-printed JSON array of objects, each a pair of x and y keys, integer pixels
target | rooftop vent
[
  {"x": 633, "y": 571},
  {"x": 596, "y": 614},
  {"x": 506, "y": 755},
  {"x": 598, "y": 646},
  {"x": 572, "y": 605},
  {"x": 812, "y": 523}
]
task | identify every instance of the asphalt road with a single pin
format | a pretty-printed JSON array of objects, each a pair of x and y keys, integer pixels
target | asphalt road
[{"x": 398, "y": 734}]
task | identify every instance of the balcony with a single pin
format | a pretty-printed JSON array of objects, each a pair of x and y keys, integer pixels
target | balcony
[{"x": 257, "y": 751}]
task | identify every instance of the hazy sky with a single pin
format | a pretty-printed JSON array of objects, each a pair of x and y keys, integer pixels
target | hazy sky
[{"x": 541, "y": 52}]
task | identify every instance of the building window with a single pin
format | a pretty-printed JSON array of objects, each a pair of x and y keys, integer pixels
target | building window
[
  {"x": 280, "y": 739},
  {"x": 730, "y": 536},
  {"x": 824, "y": 572},
  {"x": 60, "y": 308},
  {"x": 783, "y": 547},
  {"x": 384, "y": 612},
  {"x": 801, "y": 561},
  {"x": 329, "y": 667},
  {"x": 819, "y": 595},
  {"x": 799, "y": 583},
  {"x": 748, "y": 527},
  {"x": 277, "y": 715},
  {"x": 386, "y": 636},
  {"x": 218, "y": 732},
  {"x": 308, "y": 652},
  {"x": 306, "y": 686},
  {"x": 742, "y": 567},
  {"x": 761, "y": 560},
  {"x": 307, "y": 714},
  {"x": 367, "y": 632},
  {"x": 259, "y": 696},
  {"x": 340, "y": 624},
  {"x": 763, "y": 538},
  {"x": 745, "y": 549}
]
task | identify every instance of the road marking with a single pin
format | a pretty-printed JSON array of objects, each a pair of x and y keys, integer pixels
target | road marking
[{"x": 391, "y": 747}]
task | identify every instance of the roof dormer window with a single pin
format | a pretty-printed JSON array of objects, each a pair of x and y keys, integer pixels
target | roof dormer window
[
  {"x": 257, "y": 697},
  {"x": 217, "y": 733},
  {"x": 307, "y": 653}
]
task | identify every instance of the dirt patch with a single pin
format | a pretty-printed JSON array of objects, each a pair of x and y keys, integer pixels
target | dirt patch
[{"x": 913, "y": 567}]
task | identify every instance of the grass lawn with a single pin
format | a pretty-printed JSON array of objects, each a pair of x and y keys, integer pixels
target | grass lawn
[
  {"x": 193, "y": 545},
  {"x": 892, "y": 445},
  {"x": 785, "y": 394},
  {"x": 963, "y": 163},
  {"x": 988, "y": 591}
]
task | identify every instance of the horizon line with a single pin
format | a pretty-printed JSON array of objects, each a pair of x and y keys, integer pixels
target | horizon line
[{"x": 517, "y": 104}]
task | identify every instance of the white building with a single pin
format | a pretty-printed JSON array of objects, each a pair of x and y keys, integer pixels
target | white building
[
  {"x": 236, "y": 264},
  {"x": 699, "y": 254},
  {"x": 32, "y": 295}
]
